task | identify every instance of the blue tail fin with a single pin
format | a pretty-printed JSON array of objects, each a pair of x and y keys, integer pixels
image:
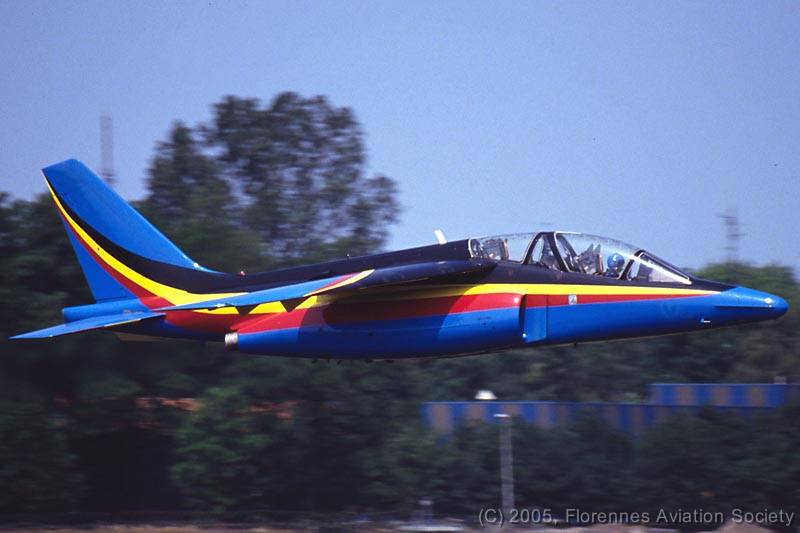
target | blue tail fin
[{"x": 88, "y": 205}]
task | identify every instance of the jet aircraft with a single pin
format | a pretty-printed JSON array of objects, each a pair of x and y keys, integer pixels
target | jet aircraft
[{"x": 454, "y": 298}]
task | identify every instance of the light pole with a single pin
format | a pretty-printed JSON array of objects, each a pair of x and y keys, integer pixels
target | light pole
[
  {"x": 485, "y": 396},
  {"x": 506, "y": 462}
]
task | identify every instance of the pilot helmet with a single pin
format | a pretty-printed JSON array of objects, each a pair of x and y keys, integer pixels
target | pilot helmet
[{"x": 615, "y": 261}]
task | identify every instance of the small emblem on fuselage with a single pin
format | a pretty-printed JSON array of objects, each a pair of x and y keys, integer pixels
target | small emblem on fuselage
[{"x": 572, "y": 299}]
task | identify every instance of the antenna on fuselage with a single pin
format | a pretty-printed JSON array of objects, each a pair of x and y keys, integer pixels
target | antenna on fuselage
[{"x": 440, "y": 236}]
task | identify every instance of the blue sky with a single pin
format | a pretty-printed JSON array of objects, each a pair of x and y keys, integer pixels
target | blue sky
[{"x": 641, "y": 121}]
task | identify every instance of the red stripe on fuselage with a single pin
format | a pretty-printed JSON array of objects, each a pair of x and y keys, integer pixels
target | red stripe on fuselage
[
  {"x": 207, "y": 322},
  {"x": 344, "y": 312},
  {"x": 339, "y": 313}
]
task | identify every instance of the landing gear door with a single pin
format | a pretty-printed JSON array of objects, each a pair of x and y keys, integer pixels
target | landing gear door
[{"x": 534, "y": 318}]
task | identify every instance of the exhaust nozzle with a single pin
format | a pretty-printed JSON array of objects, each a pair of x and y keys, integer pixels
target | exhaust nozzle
[{"x": 231, "y": 341}]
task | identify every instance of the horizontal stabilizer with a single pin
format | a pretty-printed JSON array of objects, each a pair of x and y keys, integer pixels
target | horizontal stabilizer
[
  {"x": 88, "y": 324},
  {"x": 350, "y": 283}
]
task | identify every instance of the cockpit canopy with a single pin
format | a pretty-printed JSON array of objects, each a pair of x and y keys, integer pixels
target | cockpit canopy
[{"x": 580, "y": 253}]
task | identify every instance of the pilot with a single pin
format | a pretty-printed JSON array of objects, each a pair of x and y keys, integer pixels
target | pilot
[{"x": 615, "y": 264}]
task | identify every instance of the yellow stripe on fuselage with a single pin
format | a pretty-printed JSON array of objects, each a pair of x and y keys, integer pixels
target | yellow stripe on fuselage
[
  {"x": 558, "y": 288},
  {"x": 343, "y": 283},
  {"x": 417, "y": 292},
  {"x": 180, "y": 297}
]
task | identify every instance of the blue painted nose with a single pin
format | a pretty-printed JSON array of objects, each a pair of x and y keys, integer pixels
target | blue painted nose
[{"x": 743, "y": 304}]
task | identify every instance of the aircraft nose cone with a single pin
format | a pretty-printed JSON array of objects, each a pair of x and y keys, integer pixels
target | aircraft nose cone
[
  {"x": 754, "y": 305},
  {"x": 779, "y": 306}
]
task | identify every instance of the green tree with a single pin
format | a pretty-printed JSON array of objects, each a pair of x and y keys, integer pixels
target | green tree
[
  {"x": 37, "y": 471},
  {"x": 265, "y": 185},
  {"x": 196, "y": 207},
  {"x": 270, "y": 186},
  {"x": 300, "y": 163},
  {"x": 584, "y": 464},
  {"x": 685, "y": 462},
  {"x": 765, "y": 469},
  {"x": 222, "y": 447},
  {"x": 405, "y": 469},
  {"x": 467, "y": 471}
]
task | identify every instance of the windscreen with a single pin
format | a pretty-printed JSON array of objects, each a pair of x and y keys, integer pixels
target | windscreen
[
  {"x": 501, "y": 247},
  {"x": 601, "y": 256},
  {"x": 591, "y": 254},
  {"x": 647, "y": 267}
]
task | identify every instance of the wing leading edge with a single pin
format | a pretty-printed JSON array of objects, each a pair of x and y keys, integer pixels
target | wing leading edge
[{"x": 349, "y": 283}]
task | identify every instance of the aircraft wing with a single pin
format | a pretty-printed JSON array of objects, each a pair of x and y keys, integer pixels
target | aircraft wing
[
  {"x": 87, "y": 324},
  {"x": 349, "y": 283}
]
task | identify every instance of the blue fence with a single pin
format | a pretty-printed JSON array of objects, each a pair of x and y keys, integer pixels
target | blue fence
[
  {"x": 666, "y": 400},
  {"x": 725, "y": 394}
]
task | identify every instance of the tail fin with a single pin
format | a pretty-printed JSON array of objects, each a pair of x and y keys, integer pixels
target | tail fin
[{"x": 106, "y": 233}]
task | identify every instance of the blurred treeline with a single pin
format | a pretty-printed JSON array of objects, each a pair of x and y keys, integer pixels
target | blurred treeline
[{"x": 88, "y": 423}]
